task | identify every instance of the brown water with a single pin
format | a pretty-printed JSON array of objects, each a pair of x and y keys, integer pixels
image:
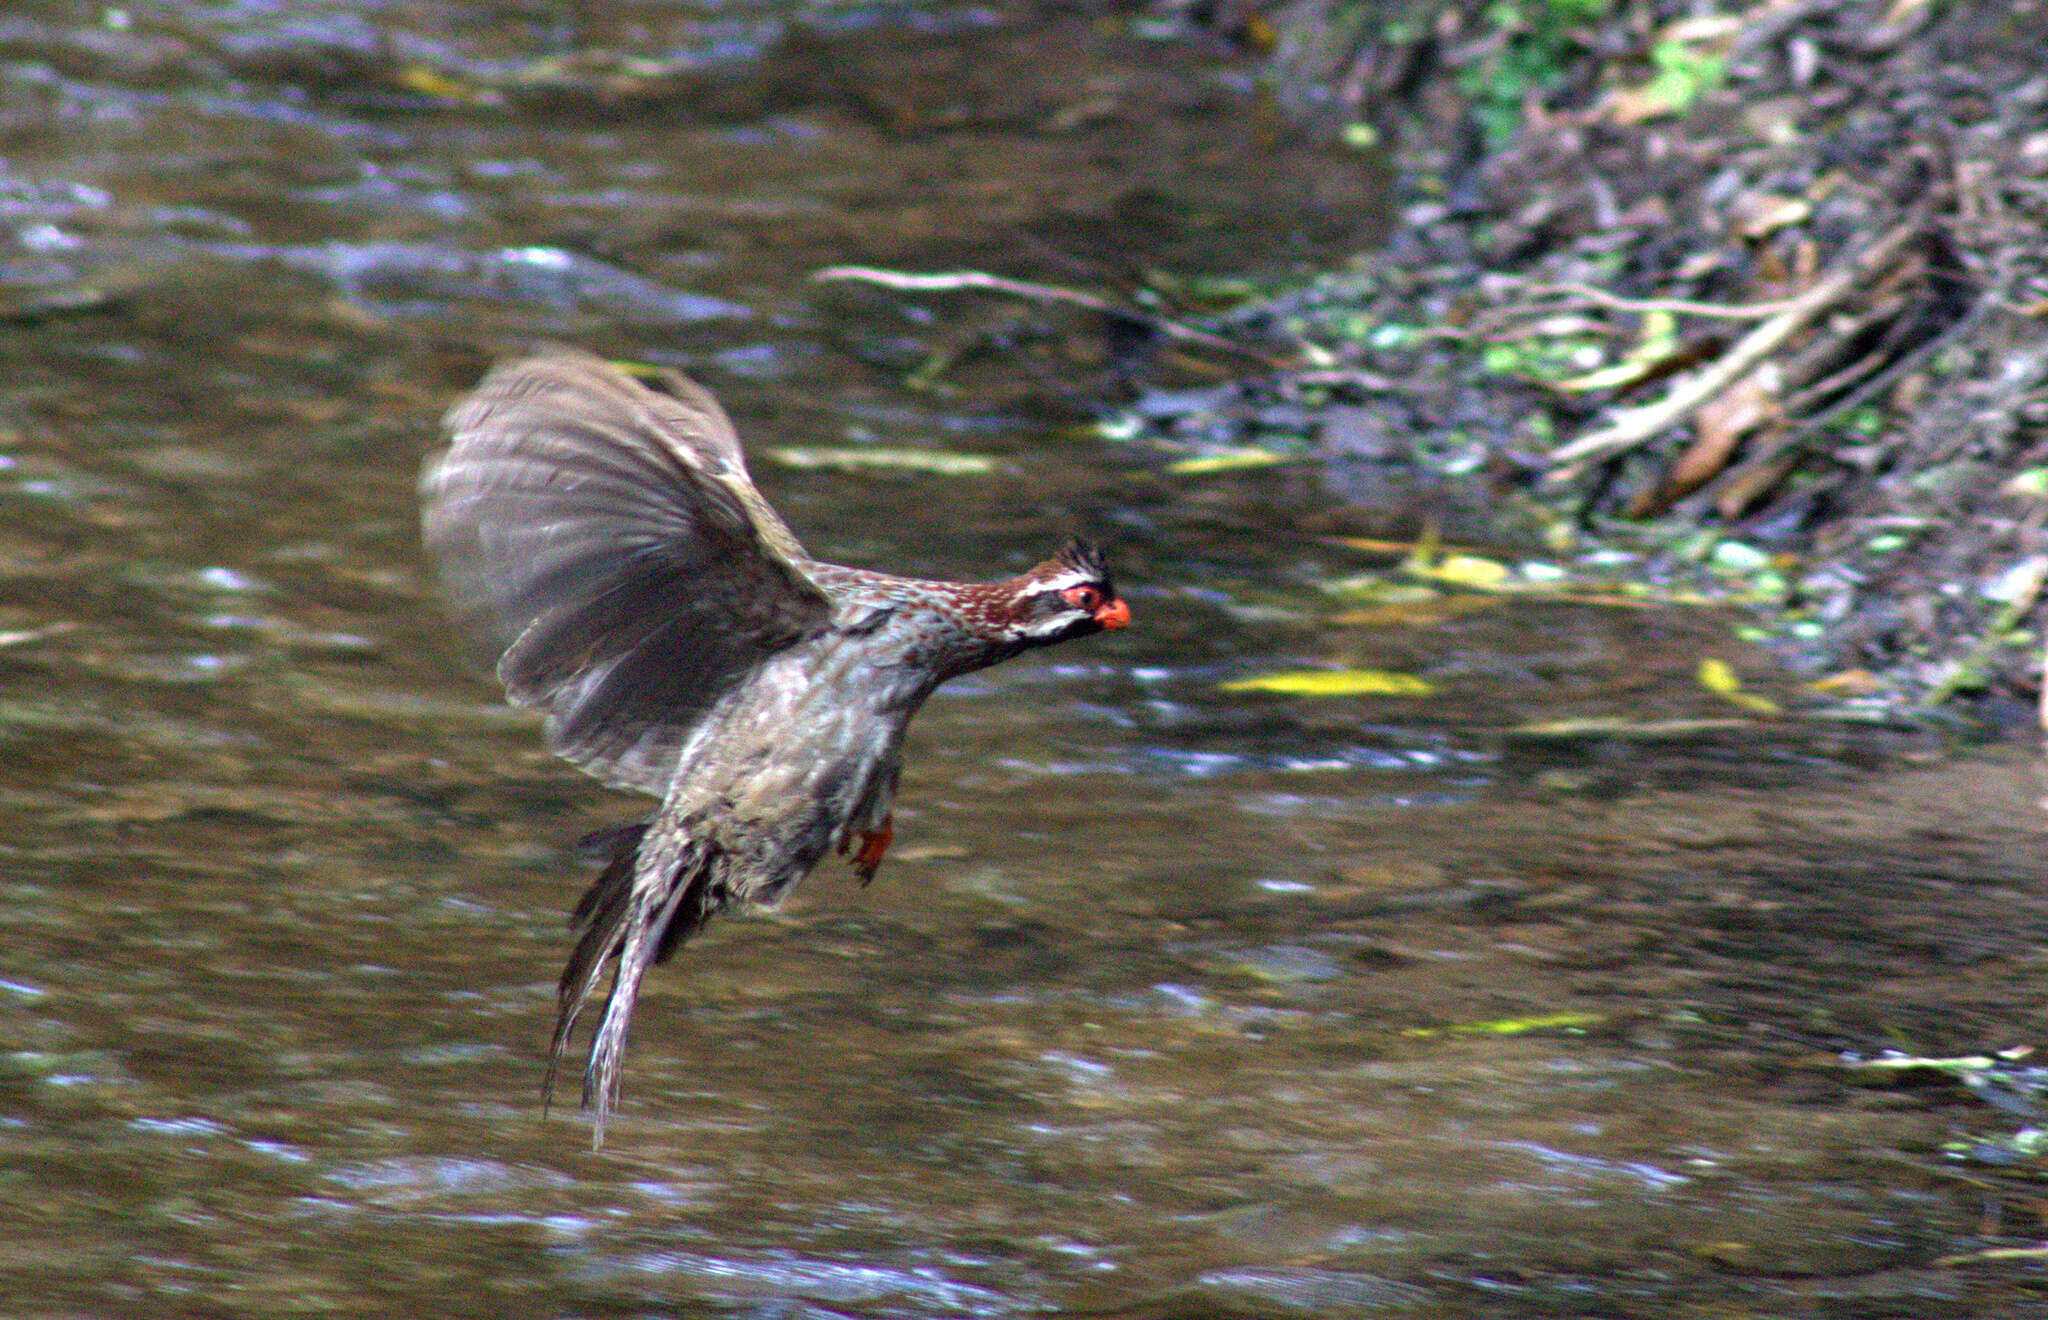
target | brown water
[{"x": 1170, "y": 1002}]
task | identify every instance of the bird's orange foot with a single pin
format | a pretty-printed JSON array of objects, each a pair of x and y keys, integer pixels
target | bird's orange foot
[{"x": 873, "y": 843}]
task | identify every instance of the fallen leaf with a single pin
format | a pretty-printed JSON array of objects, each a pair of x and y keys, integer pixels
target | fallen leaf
[
  {"x": 1723, "y": 421},
  {"x": 1849, "y": 683},
  {"x": 1720, "y": 426},
  {"x": 1508, "y": 1026},
  {"x": 1758, "y": 214},
  {"x": 433, "y": 82},
  {"x": 1720, "y": 678},
  {"x": 1334, "y": 683},
  {"x": 939, "y": 462},
  {"x": 1655, "y": 345},
  {"x": 1230, "y": 460},
  {"x": 1467, "y": 571}
]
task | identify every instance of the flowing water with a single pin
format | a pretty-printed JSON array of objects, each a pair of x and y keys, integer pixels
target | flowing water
[{"x": 1171, "y": 1001}]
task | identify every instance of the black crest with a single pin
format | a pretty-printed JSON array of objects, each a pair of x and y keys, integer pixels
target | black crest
[{"x": 1084, "y": 556}]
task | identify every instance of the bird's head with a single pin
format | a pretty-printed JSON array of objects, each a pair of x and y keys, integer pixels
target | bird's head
[{"x": 1069, "y": 595}]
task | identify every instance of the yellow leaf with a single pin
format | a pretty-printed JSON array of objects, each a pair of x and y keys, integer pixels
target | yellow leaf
[
  {"x": 1611, "y": 377},
  {"x": 1654, "y": 347},
  {"x": 1751, "y": 701},
  {"x": 1718, "y": 676},
  {"x": 1508, "y": 1026},
  {"x": 1403, "y": 548},
  {"x": 1230, "y": 460},
  {"x": 1334, "y": 683},
  {"x": 1468, "y": 571},
  {"x": 937, "y": 461},
  {"x": 432, "y": 82}
]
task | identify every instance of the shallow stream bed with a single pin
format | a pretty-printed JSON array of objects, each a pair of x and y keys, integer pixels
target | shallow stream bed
[{"x": 1172, "y": 1001}]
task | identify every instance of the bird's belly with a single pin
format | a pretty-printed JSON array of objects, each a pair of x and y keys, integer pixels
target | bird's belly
[{"x": 786, "y": 779}]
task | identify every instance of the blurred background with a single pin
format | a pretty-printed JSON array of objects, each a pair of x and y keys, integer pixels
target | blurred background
[{"x": 1420, "y": 911}]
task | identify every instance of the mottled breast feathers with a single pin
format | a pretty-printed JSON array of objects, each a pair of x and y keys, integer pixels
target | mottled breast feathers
[{"x": 606, "y": 536}]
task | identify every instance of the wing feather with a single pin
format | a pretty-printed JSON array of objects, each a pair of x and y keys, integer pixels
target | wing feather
[{"x": 605, "y": 539}]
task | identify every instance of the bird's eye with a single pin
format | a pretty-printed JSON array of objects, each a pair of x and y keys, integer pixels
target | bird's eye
[{"x": 1082, "y": 598}]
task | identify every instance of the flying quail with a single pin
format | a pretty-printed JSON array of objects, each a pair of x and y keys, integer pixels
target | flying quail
[{"x": 603, "y": 535}]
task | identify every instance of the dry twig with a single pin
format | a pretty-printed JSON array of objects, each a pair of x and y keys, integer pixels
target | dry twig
[
  {"x": 1043, "y": 293},
  {"x": 1633, "y": 426},
  {"x": 1675, "y": 306}
]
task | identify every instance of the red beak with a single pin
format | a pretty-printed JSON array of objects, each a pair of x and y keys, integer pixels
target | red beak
[{"x": 1113, "y": 614}]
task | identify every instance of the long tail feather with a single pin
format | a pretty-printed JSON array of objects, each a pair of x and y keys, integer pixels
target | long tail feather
[
  {"x": 651, "y": 926},
  {"x": 599, "y": 919},
  {"x": 637, "y": 911}
]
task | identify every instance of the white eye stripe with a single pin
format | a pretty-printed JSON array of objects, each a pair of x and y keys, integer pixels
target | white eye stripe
[
  {"x": 1067, "y": 581},
  {"x": 1060, "y": 613},
  {"x": 1060, "y": 600}
]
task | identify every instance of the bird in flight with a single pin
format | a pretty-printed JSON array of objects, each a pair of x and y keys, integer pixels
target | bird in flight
[{"x": 600, "y": 532}]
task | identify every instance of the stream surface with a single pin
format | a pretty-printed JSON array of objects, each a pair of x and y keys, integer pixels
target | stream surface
[{"x": 1171, "y": 1001}]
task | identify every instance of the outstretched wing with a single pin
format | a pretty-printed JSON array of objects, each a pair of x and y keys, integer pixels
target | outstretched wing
[{"x": 605, "y": 536}]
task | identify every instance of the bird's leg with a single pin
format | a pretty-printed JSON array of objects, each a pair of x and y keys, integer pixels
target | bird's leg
[{"x": 873, "y": 843}]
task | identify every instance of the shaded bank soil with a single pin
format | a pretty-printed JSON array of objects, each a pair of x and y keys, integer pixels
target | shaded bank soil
[{"x": 1765, "y": 284}]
